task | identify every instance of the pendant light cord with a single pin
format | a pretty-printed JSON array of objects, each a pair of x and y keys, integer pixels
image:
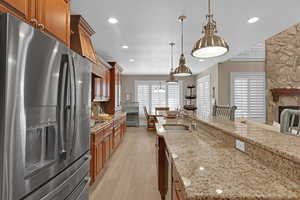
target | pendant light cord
[
  {"x": 172, "y": 45},
  {"x": 182, "y": 36},
  {"x": 209, "y": 7}
]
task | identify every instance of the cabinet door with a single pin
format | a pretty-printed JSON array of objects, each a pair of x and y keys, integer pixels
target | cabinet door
[
  {"x": 19, "y": 8},
  {"x": 106, "y": 149},
  {"x": 54, "y": 17},
  {"x": 97, "y": 88},
  {"x": 98, "y": 157},
  {"x": 108, "y": 83},
  {"x": 104, "y": 82}
]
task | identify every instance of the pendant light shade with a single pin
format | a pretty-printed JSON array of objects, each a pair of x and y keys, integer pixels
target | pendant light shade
[
  {"x": 171, "y": 78},
  {"x": 182, "y": 70},
  {"x": 211, "y": 45}
]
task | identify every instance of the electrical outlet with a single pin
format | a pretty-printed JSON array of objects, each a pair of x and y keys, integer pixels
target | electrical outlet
[{"x": 240, "y": 145}]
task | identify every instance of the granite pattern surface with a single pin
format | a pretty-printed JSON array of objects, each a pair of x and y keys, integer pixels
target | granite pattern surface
[
  {"x": 287, "y": 146},
  {"x": 106, "y": 123},
  {"x": 217, "y": 171}
]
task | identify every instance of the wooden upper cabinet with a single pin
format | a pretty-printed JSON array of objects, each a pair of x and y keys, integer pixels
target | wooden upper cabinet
[
  {"x": 108, "y": 84},
  {"x": 54, "y": 17},
  {"x": 19, "y": 8},
  {"x": 51, "y": 16},
  {"x": 81, "y": 33}
]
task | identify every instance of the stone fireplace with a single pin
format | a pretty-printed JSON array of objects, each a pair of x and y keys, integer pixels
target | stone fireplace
[{"x": 283, "y": 71}]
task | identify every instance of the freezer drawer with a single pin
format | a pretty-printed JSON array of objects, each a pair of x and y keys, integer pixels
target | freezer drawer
[{"x": 73, "y": 180}]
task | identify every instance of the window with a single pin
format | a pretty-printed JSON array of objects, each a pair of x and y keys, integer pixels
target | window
[
  {"x": 143, "y": 97},
  {"x": 173, "y": 96},
  {"x": 203, "y": 96},
  {"x": 147, "y": 94},
  {"x": 248, "y": 94}
]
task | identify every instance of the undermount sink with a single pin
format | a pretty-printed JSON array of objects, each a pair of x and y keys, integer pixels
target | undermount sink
[{"x": 175, "y": 127}]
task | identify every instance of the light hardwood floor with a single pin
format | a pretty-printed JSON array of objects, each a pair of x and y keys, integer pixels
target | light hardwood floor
[{"x": 131, "y": 173}]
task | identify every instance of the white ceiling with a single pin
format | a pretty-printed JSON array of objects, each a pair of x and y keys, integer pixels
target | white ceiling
[
  {"x": 147, "y": 27},
  {"x": 255, "y": 53}
]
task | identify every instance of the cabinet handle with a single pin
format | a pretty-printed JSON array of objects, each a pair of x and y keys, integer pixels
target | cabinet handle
[
  {"x": 33, "y": 22},
  {"x": 41, "y": 26}
]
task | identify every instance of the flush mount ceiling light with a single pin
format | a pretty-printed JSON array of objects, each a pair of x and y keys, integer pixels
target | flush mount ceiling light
[
  {"x": 125, "y": 47},
  {"x": 253, "y": 20},
  {"x": 211, "y": 45},
  {"x": 182, "y": 70},
  {"x": 171, "y": 76},
  {"x": 112, "y": 20}
]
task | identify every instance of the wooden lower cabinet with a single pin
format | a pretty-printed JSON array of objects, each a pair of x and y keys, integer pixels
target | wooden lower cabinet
[
  {"x": 117, "y": 137},
  {"x": 178, "y": 192},
  {"x": 106, "y": 149},
  {"x": 169, "y": 181},
  {"x": 103, "y": 144},
  {"x": 97, "y": 143}
]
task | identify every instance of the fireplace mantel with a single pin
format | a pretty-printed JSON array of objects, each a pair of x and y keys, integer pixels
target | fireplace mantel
[{"x": 277, "y": 92}]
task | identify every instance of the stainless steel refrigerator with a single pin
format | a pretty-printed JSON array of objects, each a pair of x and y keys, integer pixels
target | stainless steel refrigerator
[{"x": 44, "y": 116}]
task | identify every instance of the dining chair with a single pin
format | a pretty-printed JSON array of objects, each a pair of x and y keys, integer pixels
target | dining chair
[{"x": 151, "y": 120}]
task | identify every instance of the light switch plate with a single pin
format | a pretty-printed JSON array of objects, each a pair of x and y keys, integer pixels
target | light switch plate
[{"x": 240, "y": 145}]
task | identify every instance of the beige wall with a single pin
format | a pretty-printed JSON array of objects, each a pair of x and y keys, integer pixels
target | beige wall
[
  {"x": 128, "y": 83},
  {"x": 221, "y": 76},
  {"x": 224, "y": 75},
  {"x": 213, "y": 72}
]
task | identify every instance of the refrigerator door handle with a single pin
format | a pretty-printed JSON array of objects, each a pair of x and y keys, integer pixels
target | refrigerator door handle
[
  {"x": 63, "y": 108},
  {"x": 73, "y": 102},
  {"x": 75, "y": 89}
]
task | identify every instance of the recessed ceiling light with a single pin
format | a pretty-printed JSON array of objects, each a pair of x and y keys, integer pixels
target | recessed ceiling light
[
  {"x": 131, "y": 60},
  {"x": 125, "y": 47},
  {"x": 201, "y": 60},
  {"x": 253, "y": 20},
  {"x": 201, "y": 168},
  {"x": 112, "y": 20}
]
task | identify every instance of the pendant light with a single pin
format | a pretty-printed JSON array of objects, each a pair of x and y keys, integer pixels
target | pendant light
[
  {"x": 210, "y": 45},
  {"x": 171, "y": 76},
  {"x": 182, "y": 70},
  {"x": 160, "y": 89}
]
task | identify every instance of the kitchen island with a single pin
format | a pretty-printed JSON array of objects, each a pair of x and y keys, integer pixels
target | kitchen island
[{"x": 207, "y": 165}]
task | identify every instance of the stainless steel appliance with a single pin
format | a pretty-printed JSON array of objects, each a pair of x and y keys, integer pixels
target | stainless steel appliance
[{"x": 44, "y": 116}]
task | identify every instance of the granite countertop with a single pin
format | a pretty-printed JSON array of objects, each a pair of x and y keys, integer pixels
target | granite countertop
[
  {"x": 262, "y": 135},
  {"x": 106, "y": 123},
  {"x": 212, "y": 170}
]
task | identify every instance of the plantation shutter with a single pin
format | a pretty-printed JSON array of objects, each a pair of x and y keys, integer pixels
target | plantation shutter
[
  {"x": 173, "y": 96},
  {"x": 158, "y": 97},
  {"x": 248, "y": 94},
  {"x": 147, "y": 94},
  {"x": 143, "y": 97},
  {"x": 203, "y": 96}
]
